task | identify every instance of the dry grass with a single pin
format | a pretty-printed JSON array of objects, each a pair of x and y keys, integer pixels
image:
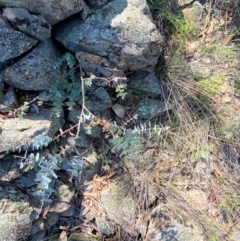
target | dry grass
[{"x": 205, "y": 120}]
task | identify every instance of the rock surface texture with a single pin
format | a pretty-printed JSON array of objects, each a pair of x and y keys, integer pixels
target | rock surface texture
[
  {"x": 33, "y": 25},
  {"x": 35, "y": 71},
  {"x": 15, "y": 132},
  {"x": 53, "y": 11},
  {"x": 122, "y": 31},
  {"x": 8, "y": 47}
]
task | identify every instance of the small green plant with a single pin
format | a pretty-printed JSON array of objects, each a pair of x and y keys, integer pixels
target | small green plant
[
  {"x": 202, "y": 152},
  {"x": 22, "y": 110},
  {"x": 45, "y": 168},
  {"x": 66, "y": 91},
  {"x": 129, "y": 143},
  {"x": 214, "y": 238},
  {"x": 121, "y": 91}
]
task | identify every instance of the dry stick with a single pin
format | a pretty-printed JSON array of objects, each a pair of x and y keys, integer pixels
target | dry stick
[{"x": 83, "y": 102}]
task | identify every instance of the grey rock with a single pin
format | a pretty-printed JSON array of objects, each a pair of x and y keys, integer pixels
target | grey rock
[
  {"x": 4, "y": 22},
  {"x": 9, "y": 102},
  {"x": 36, "y": 70},
  {"x": 95, "y": 106},
  {"x": 73, "y": 115},
  {"x": 15, "y": 213},
  {"x": 104, "y": 226},
  {"x": 201, "y": 70},
  {"x": 8, "y": 47},
  {"x": 97, "y": 3},
  {"x": 180, "y": 3},
  {"x": 82, "y": 140},
  {"x": 28, "y": 180},
  {"x": 1, "y": 84},
  {"x": 93, "y": 166},
  {"x": 9, "y": 169},
  {"x": 196, "y": 15},
  {"x": 52, "y": 10},
  {"x": 63, "y": 192},
  {"x": 122, "y": 31},
  {"x": 70, "y": 212},
  {"x": 149, "y": 108},
  {"x": 145, "y": 83},
  {"x": 197, "y": 199},
  {"x": 94, "y": 131},
  {"x": 98, "y": 101},
  {"x": 15, "y": 131},
  {"x": 52, "y": 218},
  {"x": 103, "y": 96},
  {"x": 39, "y": 236},
  {"x": 37, "y": 226},
  {"x": 32, "y": 25},
  {"x": 59, "y": 207},
  {"x": 118, "y": 204},
  {"x": 65, "y": 196},
  {"x": 174, "y": 230},
  {"x": 100, "y": 67}
]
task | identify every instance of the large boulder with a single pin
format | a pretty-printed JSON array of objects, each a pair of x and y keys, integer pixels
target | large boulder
[
  {"x": 52, "y": 10},
  {"x": 121, "y": 30},
  {"x": 12, "y": 43},
  {"x": 30, "y": 24},
  {"x": 15, "y": 132},
  {"x": 36, "y": 70},
  {"x": 15, "y": 206}
]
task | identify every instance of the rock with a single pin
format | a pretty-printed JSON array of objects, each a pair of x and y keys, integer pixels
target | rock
[
  {"x": 16, "y": 131},
  {"x": 1, "y": 86},
  {"x": 148, "y": 83},
  {"x": 198, "y": 200},
  {"x": 9, "y": 101},
  {"x": 82, "y": 140},
  {"x": 100, "y": 67},
  {"x": 97, "y": 3},
  {"x": 52, "y": 218},
  {"x": 9, "y": 169},
  {"x": 91, "y": 167},
  {"x": 37, "y": 226},
  {"x": 36, "y": 70},
  {"x": 122, "y": 31},
  {"x": 202, "y": 69},
  {"x": 32, "y": 25},
  {"x": 38, "y": 236},
  {"x": 104, "y": 226},
  {"x": 196, "y": 16},
  {"x": 70, "y": 212},
  {"x": 103, "y": 96},
  {"x": 28, "y": 179},
  {"x": 119, "y": 110},
  {"x": 4, "y": 22},
  {"x": 94, "y": 131},
  {"x": 149, "y": 108},
  {"x": 8, "y": 47},
  {"x": 181, "y": 3},
  {"x": 63, "y": 205},
  {"x": 119, "y": 205},
  {"x": 163, "y": 225},
  {"x": 59, "y": 207},
  {"x": 84, "y": 237},
  {"x": 15, "y": 213},
  {"x": 99, "y": 101},
  {"x": 52, "y": 10}
]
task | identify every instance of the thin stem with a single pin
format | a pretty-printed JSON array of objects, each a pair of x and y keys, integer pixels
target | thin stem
[{"x": 83, "y": 103}]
